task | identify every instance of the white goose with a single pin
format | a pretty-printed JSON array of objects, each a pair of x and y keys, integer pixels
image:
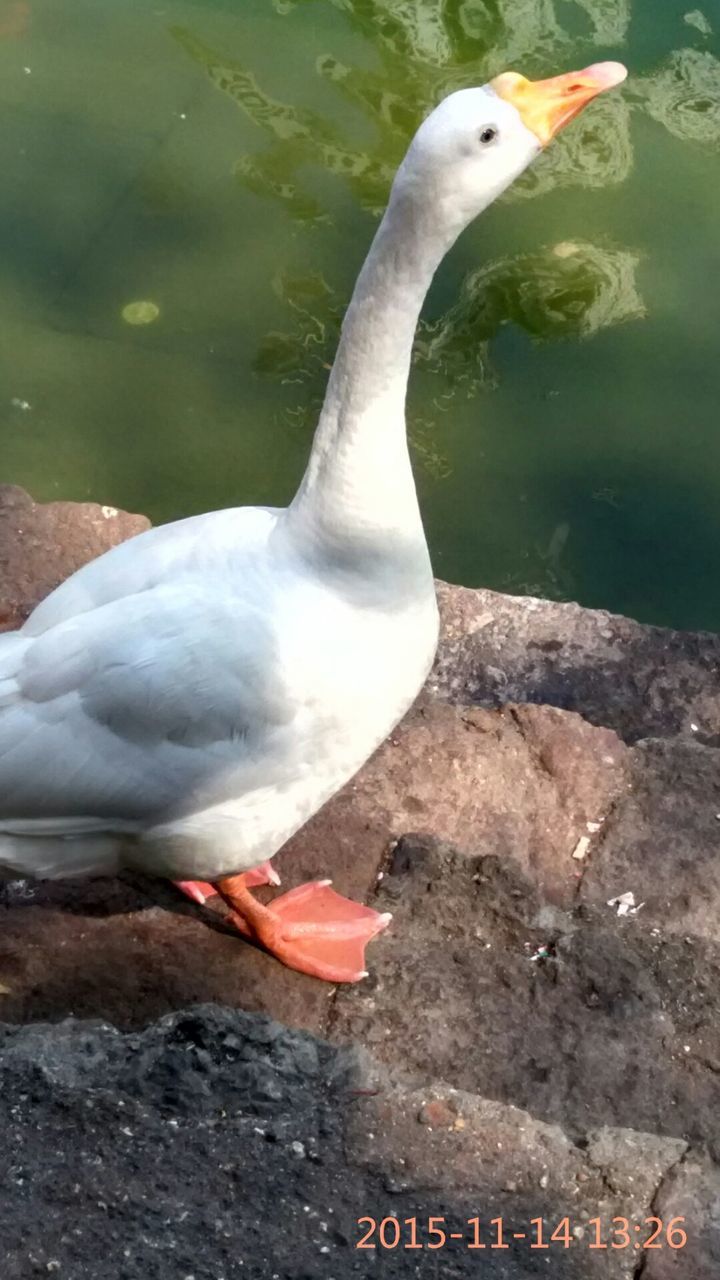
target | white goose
[{"x": 184, "y": 703}]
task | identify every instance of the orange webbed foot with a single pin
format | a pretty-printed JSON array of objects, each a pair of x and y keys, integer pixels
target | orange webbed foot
[{"x": 312, "y": 928}]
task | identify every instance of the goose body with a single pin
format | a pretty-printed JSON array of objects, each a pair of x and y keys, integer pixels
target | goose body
[
  {"x": 187, "y": 701},
  {"x": 104, "y": 756}
]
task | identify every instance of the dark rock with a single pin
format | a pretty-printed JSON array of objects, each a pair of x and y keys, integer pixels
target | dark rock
[
  {"x": 639, "y": 680},
  {"x": 582, "y": 1018},
  {"x": 662, "y": 842},
  {"x": 108, "y": 1172},
  {"x": 105, "y": 1175}
]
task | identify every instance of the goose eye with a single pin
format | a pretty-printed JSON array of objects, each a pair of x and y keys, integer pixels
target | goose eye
[{"x": 489, "y": 134}]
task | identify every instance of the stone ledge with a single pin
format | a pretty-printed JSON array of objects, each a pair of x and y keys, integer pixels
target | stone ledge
[
  {"x": 42, "y": 543},
  {"x": 218, "y": 1144},
  {"x": 641, "y": 681},
  {"x": 508, "y": 1004}
]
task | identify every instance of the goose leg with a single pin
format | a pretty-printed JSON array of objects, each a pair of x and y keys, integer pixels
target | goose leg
[
  {"x": 201, "y": 890},
  {"x": 312, "y": 928}
]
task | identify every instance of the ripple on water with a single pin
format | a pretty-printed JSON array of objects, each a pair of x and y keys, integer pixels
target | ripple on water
[
  {"x": 425, "y": 51},
  {"x": 696, "y": 18},
  {"x": 597, "y": 152},
  {"x": 684, "y": 96},
  {"x": 572, "y": 289}
]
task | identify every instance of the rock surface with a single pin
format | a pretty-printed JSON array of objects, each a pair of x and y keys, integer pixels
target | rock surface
[
  {"x": 41, "y": 544},
  {"x": 529, "y": 1049},
  {"x": 581, "y": 1017},
  {"x": 217, "y": 1144},
  {"x": 639, "y": 680}
]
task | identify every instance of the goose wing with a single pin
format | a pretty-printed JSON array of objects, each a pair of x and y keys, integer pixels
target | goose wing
[{"x": 137, "y": 706}]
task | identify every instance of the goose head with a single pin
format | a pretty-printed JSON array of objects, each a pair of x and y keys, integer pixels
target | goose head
[{"x": 477, "y": 141}]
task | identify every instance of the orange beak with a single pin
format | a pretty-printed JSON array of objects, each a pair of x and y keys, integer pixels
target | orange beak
[{"x": 546, "y": 106}]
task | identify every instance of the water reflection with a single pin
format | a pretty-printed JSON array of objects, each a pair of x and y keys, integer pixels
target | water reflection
[
  {"x": 426, "y": 51},
  {"x": 573, "y": 289},
  {"x": 300, "y": 137},
  {"x": 596, "y": 152},
  {"x": 484, "y": 33},
  {"x": 683, "y": 95},
  {"x": 696, "y": 18},
  {"x": 543, "y": 572}
]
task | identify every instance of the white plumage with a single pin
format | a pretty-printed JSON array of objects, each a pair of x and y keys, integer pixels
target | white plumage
[{"x": 196, "y": 693}]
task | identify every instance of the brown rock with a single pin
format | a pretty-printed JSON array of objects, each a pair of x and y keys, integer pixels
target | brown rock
[
  {"x": 41, "y": 544},
  {"x": 688, "y": 1201},
  {"x": 521, "y": 783},
  {"x": 129, "y": 951},
  {"x": 662, "y": 841},
  {"x": 438, "y": 1113},
  {"x": 639, "y": 680}
]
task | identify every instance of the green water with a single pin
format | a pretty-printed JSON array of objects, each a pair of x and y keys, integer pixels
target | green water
[{"x": 225, "y": 161}]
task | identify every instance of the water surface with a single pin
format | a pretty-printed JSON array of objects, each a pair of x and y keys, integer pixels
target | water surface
[{"x": 188, "y": 192}]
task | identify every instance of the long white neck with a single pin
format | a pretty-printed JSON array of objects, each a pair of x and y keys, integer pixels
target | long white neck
[{"x": 357, "y": 497}]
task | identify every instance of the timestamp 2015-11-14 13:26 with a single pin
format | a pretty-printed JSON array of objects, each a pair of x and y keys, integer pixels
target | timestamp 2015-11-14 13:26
[{"x": 594, "y": 1233}]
